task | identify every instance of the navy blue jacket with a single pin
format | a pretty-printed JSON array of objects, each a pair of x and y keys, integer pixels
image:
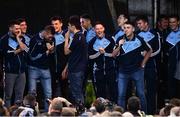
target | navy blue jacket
[
  {"x": 13, "y": 63},
  {"x": 172, "y": 39},
  {"x": 172, "y": 42},
  {"x": 177, "y": 65},
  {"x": 152, "y": 38},
  {"x": 58, "y": 58},
  {"x": 174, "y": 58},
  {"x": 37, "y": 53},
  {"x": 118, "y": 33},
  {"x": 130, "y": 57},
  {"x": 103, "y": 61}
]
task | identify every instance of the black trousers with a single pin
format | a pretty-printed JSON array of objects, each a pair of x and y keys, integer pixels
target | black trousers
[{"x": 106, "y": 85}]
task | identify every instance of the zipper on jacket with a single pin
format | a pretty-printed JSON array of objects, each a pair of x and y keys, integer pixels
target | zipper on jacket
[
  {"x": 104, "y": 66},
  {"x": 55, "y": 52},
  {"x": 19, "y": 63}
]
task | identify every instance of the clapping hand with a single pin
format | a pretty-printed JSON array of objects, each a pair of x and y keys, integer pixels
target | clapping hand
[{"x": 101, "y": 50}]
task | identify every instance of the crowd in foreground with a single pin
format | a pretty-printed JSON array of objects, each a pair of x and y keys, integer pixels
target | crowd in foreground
[{"x": 60, "y": 106}]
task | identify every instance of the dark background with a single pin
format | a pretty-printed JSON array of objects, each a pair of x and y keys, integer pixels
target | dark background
[{"x": 39, "y": 12}]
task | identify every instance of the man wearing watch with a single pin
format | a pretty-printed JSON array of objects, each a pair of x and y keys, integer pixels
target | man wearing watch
[
  {"x": 152, "y": 38},
  {"x": 131, "y": 63}
]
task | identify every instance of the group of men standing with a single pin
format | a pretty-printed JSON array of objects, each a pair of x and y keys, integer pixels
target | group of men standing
[{"x": 62, "y": 59}]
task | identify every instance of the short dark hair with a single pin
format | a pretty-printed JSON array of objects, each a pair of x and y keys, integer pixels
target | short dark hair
[
  {"x": 124, "y": 15},
  {"x": 133, "y": 104},
  {"x": 130, "y": 23},
  {"x": 175, "y": 101},
  {"x": 86, "y": 16},
  {"x": 74, "y": 20},
  {"x": 162, "y": 17},
  {"x": 13, "y": 22},
  {"x": 56, "y": 18},
  {"x": 99, "y": 22},
  {"x": 49, "y": 28},
  {"x": 174, "y": 16},
  {"x": 21, "y": 20},
  {"x": 99, "y": 104},
  {"x": 30, "y": 100},
  {"x": 142, "y": 17}
]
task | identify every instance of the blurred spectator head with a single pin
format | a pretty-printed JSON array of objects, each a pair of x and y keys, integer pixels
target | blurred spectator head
[
  {"x": 99, "y": 104},
  {"x": 133, "y": 105},
  {"x": 3, "y": 109},
  {"x": 115, "y": 114},
  {"x": 119, "y": 109},
  {"x": 127, "y": 114},
  {"x": 175, "y": 101},
  {"x": 68, "y": 111},
  {"x": 55, "y": 106},
  {"x": 167, "y": 109},
  {"x": 175, "y": 111},
  {"x": 29, "y": 101}
]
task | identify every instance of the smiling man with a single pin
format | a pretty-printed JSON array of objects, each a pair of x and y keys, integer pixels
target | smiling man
[
  {"x": 152, "y": 38},
  {"x": 100, "y": 51},
  {"x": 41, "y": 46},
  {"x": 58, "y": 60},
  {"x": 172, "y": 41},
  {"x": 12, "y": 46},
  {"x": 131, "y": 63}
]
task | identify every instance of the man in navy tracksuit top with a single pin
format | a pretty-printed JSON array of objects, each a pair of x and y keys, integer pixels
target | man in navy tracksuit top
[
  {"x": 174, "y": 71},
  {"x": 177, "y": 67},
  {"x": 152, "y": 38},
  {"x": 23, "y": 26},
  {"x": 13, "y": 49},
  {"x": 89, "y": 33},
  {"x": 86, "y": 24},
  {"x": 41, "y": 46},
  {"x": 58, "y": 60},
  {"x": 162, "y": 27},
  {"x": 131, "y": 63},
  {"x": 121, "y": 20},
  {"x": 100, "y": 51},
  {"x": 172, "y": 39},
  {"x": 27, "y": 37}
]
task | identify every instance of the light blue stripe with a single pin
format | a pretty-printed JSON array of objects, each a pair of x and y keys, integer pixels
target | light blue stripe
[
  {"x": 173, "y": 38},
  {"x": 59, "y": 39},
  {"x": 101, "y": 43},
  {"x": 129, "y": 46},
  {"x": 147, "y": 36},
  {"x": 13, "y": 44}
]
